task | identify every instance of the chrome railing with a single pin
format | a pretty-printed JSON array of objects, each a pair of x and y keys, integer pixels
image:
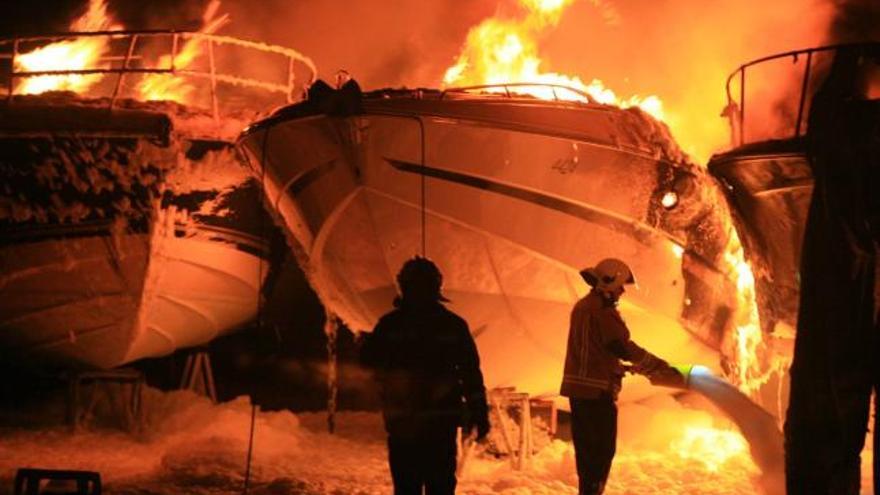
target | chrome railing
[
  {"x": 129, "y": 60},
  {"x": 506, "y": 87}
]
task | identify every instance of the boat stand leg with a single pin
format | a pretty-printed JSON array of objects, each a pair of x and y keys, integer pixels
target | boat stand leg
[
  {"x": 525, "y": 430},
  {"x": 516, "y": 433},
  {"x": 208, "y": 372},
  {"x": 331, "y": 328},
  {"x": 198, "y": 375}
]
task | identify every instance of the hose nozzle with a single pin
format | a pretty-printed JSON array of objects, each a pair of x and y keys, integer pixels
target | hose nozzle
[{"x": 675, "y": 376}]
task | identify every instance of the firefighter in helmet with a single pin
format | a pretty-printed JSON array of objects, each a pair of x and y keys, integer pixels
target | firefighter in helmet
[
  {"x": 598, "y": 341},
  {"x": 426, "y": 363}
]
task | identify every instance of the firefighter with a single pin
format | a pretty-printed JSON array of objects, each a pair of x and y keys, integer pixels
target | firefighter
[
  {"x": 428, "y": 369},
  {"x": 598, "y": 340}
]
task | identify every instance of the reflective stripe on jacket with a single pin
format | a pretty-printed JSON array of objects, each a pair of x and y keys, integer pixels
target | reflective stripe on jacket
[{"x": 597, "y": 340}]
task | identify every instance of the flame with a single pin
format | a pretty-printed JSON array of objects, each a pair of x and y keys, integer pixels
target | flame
[
  {"x": 504, "y": 50},
  {"x": 499, "y": 51},
  {"x": 754, "y": 361},
  {"x": 171, "y": 86},
  {"x": 76, "y": 54},
  {"x": 88, "y": 52},
  {"x": 710, "y": 446},
  {"x": 549, "y": 11}
]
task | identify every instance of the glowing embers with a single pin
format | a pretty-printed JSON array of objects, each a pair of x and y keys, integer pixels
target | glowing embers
[
  {"x": 502, "y": 51},
  {"x": 76, "y": 54}
]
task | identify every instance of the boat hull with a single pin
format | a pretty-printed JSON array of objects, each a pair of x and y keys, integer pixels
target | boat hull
[
  {"x": 770, "y": 190},
  {"x": 121, "y": 239},
  {"x": 104, "y": 299},
  {"x": 510, "y": 209}
]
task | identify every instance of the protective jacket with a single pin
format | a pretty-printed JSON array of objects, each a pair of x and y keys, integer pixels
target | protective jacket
[
  {"x": 427, "y": 366},
  {"x": 598, "y": 340}
]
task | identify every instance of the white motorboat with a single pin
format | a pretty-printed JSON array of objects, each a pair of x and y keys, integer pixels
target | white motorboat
[{"x": 511, "y": 196}]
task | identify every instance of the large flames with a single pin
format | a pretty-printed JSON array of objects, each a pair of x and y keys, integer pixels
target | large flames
[
  {"x": 90, "y": 53},
  {"x": 754, "y": 362},
  {"x": 500, "y": 51},
  {"x": 169, "y": 86},
  {"x": 76, "y": 54},
  {"x": 748, "y": 337},
  {"x": 710, "y": 446}
]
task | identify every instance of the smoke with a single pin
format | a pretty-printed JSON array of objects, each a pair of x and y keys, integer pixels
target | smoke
[
  {"x": 404, "y": 43},
  {"x": 162, "y": 14},
  {"x": 680, "y": 50},
  {"x": 855, "y": 21}
]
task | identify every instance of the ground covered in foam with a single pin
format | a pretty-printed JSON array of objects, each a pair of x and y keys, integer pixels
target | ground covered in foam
[{"x": 189, "y": 445}]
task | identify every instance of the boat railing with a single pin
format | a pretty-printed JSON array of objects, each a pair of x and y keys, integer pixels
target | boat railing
[
  {"x": 736, "y": 109},
  {"x": 132, "y": 53},
  {"x": 513, "y": 90}
]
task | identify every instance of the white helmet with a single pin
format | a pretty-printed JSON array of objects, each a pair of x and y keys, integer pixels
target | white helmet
[{"x": 609, "y": 275}]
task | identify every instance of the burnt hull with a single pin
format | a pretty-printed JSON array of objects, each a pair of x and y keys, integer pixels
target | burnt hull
[
  {"x": 511, "y": 199},
  {"x": 107, "y": 299},
  {"x": 121, "y": 242},
  {"x": 770, "y": 186}
]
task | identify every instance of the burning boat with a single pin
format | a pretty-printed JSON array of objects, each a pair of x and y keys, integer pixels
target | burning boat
[
  {"x": 767, "y": 173},
  {"x": 805, "y": 197},
  {"x": 129, "y": 226},
  {"x": 511, "y": 195}
]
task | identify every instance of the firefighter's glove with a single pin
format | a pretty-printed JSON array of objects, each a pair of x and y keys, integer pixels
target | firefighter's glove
[
  {"x": 668, "y": 377},
  {"x": 652, "y": 365}
]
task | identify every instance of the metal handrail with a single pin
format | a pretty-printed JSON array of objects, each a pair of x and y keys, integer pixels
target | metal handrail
[
  {"x": 135, "y": 36},
  {"x": 507, "y": 86},
  {"x": 736, "y": 113}
]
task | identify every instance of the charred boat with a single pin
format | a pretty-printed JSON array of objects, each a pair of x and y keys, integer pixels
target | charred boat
[
  {"x": 767, "y": 172},
  {"x": 116, "y": 248},
  {"x": 128, "y": 228},
  {"x": 807, "y": 202}
]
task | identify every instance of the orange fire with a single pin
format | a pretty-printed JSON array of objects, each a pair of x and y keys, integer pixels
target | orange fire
[
  {"x": 499, "y": 51},
  {"x": 755, "y": 364},
  {"x": 503, "y": 50},
  {"x": 90, "y": 53},
  {"x": 710, "y": 446},
  {"x": 76, "y": 54},
  {"x": 173, "y": 87}
]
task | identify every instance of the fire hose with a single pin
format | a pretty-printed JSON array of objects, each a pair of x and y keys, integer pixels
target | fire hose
[{"x": 674, "y": 376}]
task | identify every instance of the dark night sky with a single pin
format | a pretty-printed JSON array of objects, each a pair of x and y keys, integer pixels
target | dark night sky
[{"x": 21, "y": 17}]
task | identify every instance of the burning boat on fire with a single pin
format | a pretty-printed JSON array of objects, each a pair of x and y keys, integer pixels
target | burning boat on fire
[
  {"x": 133, "y": 225},
  {"x": 102, "y": 262},
  {"x": 129, "y": 226},
  {"x": 511, "y": 195}
]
